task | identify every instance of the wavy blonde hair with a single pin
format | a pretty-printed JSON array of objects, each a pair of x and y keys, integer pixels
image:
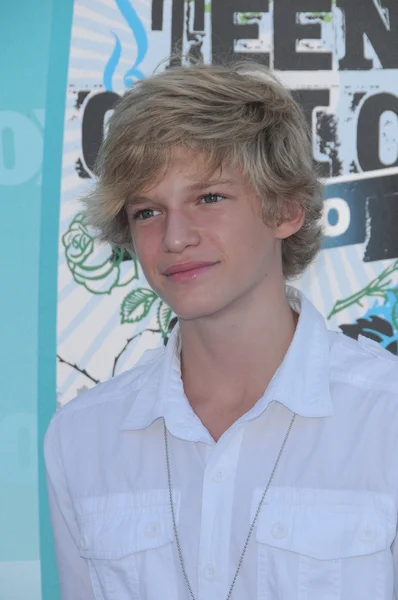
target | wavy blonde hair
[{"x": 241, "y": 114}]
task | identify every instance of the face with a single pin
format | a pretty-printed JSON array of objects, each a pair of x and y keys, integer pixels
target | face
[{"x": 201, "y": 241}]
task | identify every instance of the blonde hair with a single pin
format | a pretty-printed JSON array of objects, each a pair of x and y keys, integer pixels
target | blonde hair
[{"x": 241, "y": 114}]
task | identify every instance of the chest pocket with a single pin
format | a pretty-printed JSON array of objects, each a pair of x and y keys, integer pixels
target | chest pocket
[
  {"x": 325, "y": 545},
  {"x": 127, "y": 542}
]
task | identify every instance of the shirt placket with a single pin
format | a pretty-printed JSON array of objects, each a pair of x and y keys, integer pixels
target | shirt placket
[{"x": 214, "y": 578}]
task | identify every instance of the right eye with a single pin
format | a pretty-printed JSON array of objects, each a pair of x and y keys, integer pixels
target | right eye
[{"x": 144, "y": 214}]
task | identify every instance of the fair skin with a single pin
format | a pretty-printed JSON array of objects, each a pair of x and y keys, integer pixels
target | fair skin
[{"x": 236, "y": 324}]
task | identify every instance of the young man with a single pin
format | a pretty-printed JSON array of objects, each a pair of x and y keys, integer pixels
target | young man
[{"x": 255, "y": 456}]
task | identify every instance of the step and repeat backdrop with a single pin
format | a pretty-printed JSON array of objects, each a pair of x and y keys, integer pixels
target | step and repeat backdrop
[{"x": 339, "y": 58}]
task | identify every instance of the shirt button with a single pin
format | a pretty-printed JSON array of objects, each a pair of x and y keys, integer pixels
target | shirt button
[
  {"x": 279, "y": 530},
  {"x": 152, "y": 529},
  {"x": 219, "y": 475},
  {"x": 367, "y": 534},
  {"x": 210, "y": 572}
]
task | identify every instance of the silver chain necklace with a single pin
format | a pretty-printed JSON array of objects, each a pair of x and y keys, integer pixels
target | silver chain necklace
[{"x": 177, "y": 537}]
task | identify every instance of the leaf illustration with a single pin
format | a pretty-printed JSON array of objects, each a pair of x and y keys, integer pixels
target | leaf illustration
[
  {"x": 137, "y": 305},
  {"x": 164, "y": 315},
  {"x": 378, "y": 287}
]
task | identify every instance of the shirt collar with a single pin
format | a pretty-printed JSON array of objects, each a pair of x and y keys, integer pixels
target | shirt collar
[{"x": 302, "y": 382}]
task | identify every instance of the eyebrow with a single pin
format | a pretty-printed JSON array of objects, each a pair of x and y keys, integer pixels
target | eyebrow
[
  {"x": 194, "y": 187},
  {"x": 202, "y": 185},
  {"x": 134, "y": 200}
]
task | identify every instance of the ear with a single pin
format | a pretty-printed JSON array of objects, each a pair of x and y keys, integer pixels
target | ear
[{"x": 291, "y": 220}]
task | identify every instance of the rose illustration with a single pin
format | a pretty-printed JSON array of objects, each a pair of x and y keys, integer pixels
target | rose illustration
[
  {"x": 86, "y": 260},
  {"x": 77, "y": 241}
]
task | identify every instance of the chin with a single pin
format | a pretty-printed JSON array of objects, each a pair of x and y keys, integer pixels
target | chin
[{"x": 189, "y": 311}]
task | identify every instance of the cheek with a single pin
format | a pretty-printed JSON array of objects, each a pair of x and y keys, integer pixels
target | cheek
[
  {"x": 252, "y": 232},
  {"x": 144, "y": 245},
  {"x": 257, "y": 246}
]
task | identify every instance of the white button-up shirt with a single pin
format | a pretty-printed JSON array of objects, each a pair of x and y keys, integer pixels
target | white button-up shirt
[{"x": 327, "y": 528}]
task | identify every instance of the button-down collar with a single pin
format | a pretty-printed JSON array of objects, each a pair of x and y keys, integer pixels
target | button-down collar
[{"x": 301, "y": 382}]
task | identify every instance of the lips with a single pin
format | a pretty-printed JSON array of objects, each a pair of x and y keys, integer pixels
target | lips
[{"x": 188, "y": 266}]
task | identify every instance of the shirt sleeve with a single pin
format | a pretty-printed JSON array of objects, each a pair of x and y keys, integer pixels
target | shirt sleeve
[{"x": 72, "y": 568}]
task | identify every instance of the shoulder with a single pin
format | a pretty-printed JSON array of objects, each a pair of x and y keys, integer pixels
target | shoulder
[
  {"x": 110, "y": 397},
  {"x": 364, "y": 363}
]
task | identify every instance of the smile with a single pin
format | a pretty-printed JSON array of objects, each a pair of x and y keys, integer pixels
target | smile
[{"x": 190, "y": 274}]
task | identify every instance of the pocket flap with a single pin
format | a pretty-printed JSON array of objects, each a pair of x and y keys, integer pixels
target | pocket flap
[
  {"x": 118, "y": 525},
  {"x": 327, "y": 525}
]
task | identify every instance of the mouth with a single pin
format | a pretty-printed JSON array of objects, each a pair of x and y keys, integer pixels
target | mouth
[{"x": 188, "y": 272}]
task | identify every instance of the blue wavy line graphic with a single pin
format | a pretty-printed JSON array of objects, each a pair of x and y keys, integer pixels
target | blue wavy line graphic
[
  {"x": 112, "y": 64},
  {"x": 141, "y": 39}
]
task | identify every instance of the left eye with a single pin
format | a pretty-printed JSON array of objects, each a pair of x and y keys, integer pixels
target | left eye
[{"x": 212, "y": 198}]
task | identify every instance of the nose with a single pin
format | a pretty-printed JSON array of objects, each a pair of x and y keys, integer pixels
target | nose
[{"x": 179, "y": 232}]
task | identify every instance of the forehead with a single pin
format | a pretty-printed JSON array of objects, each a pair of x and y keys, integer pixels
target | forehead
[{"x": 193, "y": 169}]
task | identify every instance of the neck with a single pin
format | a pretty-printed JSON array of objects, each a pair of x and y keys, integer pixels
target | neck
[{"x": 229, "y": 359}]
